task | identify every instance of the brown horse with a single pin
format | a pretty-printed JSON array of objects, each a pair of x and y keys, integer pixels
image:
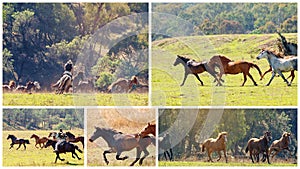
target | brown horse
[
  {"x": 73, "y": 139},
  {"x": 122, "y": 85},
  {"x": 195, "y": 68},
  {"x": 15, "y": 140},
  {"x": 40, "y": 141},
  {"x": 8, "y": 88},
  {"x": 149, "y": 129},
  {"x": 228, "y": 66},
  {"x": 219, "y": 144},
  {"x": 281, "y": 144},
  {"x": 255, "y": 146}
]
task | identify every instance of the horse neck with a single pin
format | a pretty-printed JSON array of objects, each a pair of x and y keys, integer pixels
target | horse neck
[
  {"x": 13, "y": 138},
  {"x": 108, "y": 136},
  {"x": 35, "y": 137}
]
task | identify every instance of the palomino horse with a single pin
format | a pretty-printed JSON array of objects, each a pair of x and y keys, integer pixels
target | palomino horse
[
  {"x": 63, "y": 148},
  {"x": 164, "y": 143},
  {"x": 279, "y": 65},
  {"x": 65, "y": 82},
  {"x": 8, "y": 88},
  {"x": 281, "y": 144},
  {"x": 218, "y": 144},
  {"x": 195, "y": 68},
  {"x": 38, "y": 140},
  {"x": 119, "y": 142},
  {"x": 73, "y": 139},
  {"x": 255, "y": 146},
  {"x": 228, "y": 66},
  {"x": 287, "y": 48},
  {"x": 29, "y": 87},
  {"x": 15, "y": 140}
]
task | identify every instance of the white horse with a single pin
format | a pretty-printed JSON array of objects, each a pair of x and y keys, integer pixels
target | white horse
[{"x": 279, "y": 64}]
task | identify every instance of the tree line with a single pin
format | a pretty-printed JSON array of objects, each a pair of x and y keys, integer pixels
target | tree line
[
  {"x": 43, "y": 119},
  {"x": 230, "y": 18},
  {"x": 39, "y": 38},
  {"x": 241, "y": 125}
]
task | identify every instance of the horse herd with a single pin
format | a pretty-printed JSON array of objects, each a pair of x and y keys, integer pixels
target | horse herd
[
  {"x": 286, "y": 62},
  {"x": 45, "y": 142}
]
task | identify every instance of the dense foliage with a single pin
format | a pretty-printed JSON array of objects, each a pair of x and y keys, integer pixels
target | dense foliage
[
  {"x": 229, "y": 18},
  {"x": 38, "y": 38},
  {"x": 43, "y": 119},
  {"x": 241, "y": 125}
]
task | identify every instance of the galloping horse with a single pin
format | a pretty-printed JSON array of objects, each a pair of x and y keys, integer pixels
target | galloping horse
[
  {"x": 53, "y": 135},
  {"x": 38, "y": 140},
  {"x": 279, "y": 65},
  {"x": 29, "y": 86},
  {"x": 122, "y": 85},
  {"x": 65, "y": 82},
  {"x": 63, "y": 148},
  {"x": 255, "y": 146},
  {"x": 164, "y": 143},
  {"x": 8, "y": 88},
  {"x": 228, "y": 66},
  {"x": 15, "y": 140},
  {"x": 287, "y": 48},
  {"x": 119, "y": 142},
  {"x": 195, "y": 68},
  {"x": 73, "y": 139},
  {"x": 281, "y": 144},
  {"x": 218, "y": 144}
]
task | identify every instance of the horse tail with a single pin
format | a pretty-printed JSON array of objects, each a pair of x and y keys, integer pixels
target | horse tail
[
  {"x": 77, "y": 148},
  {"x": 246, "y": 149},
  {"x": 202, "y": 147},
  {"x": 254, "y": 65}
]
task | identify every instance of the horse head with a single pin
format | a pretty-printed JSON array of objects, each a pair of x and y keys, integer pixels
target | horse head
[
  {"x": 268, "y": 136},
  {"x": 149, "y": 129},
  {"x": 222, "y": 136},
  {"x": 180, "y": 59},
  {"x": 286, "y": 136}
]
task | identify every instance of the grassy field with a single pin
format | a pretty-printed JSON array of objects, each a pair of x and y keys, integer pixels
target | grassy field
[
  {"x": 166, "y": 78},
  {"x": 33, "y": 156},
  {"x": 50, "y": 99},
  {"x": 126, "y": 121}
]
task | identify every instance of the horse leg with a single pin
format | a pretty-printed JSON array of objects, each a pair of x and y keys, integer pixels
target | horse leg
[
  {"x": 269, "y": 70},
  {"x": 171, "y": 153},
  {"x": 166, "y": 154},
  {"x": 11, "y": 145},
  {"x": 138, "y": 156},
  {"x": 267, "y": 155},
  {"x": 184, "y": 79},
  {"x": 292, "y": 75},
  {"x": 19, "y": 146},
  {"x": 255, "y": 84},
  {"x": 211, "y": 72},
  {"x": 245, "y": 78},
  {"x": 209, "y": 156},
  {"x": 58, "y": 157},
  {"x": 198, "y": 78},
  {"x": 146, "y": 153},
  {"x": 251, "y": 156},
  {"x": 225, "y": 155},
  {"x": 273, "y": 75},
  {"x": 75, "y": 155},
  {"x": 219, "y": 153},
  {"x": 281, "y": 75},
  {"x": 24, "y": 146},
  {"x": 104, "y": 156}
]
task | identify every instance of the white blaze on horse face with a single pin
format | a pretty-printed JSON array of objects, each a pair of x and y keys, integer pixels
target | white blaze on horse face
[{"x": 225, "y": 137}]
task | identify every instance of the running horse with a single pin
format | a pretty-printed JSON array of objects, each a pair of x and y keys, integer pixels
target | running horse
[
  {"x": 29, "y": 87},
  {"x": 63, "y": 148},
  {"x": 39, "y": 141},
  {"x": 255, "y": 146},
  {"x": 287, "y": 48},
  {"x": 65, "y": 82},
  {"x": 119, "y": 142},
  {"x": 15, "y": 140},
  {"x": 73, "y": 139},
  {"x": 280, "y": 65},
  {"x": 195, "y": 68},
  {"x": 281, "y": 144},
  {"x": 218, "y": 144},
  {"x": 164, "y": 143},
  {"x": 8, "y": 88},
  {"x": 228, "y": 66}
]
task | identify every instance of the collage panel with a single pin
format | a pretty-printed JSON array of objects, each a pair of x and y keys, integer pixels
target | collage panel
[
  {"x": 227, "y": 137},
  {"x": 75, "y": 54},
  {"x": 42, "y": 137},
  {"x": 121, "y": 137},
  {"x": 224, "y": 54}
]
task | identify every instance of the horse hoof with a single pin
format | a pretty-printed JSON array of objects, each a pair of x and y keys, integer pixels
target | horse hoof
[
  {"x": 62, "y": 159},
  {"x": 79, "y": 158}
]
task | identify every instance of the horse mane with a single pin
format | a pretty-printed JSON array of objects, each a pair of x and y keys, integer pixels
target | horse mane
[
  {"x": 109, "y": 129},
  {"x": 222, "y": 56},
  {"x": 183, "y": 58},
  {"x": 220, "y": 135}
]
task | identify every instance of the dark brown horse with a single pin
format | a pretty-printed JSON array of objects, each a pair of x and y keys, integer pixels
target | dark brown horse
[
  {"x": 119, "y": 142},
  {"x": 29, "y": 87},
  {"x": 15, "y": 140},
  {"x": 218, "y": 144},
  {"x": 195, "y": 68},
  {"x": 281, "y": 144},
  {"x": 228, "y": 66},
  {"x": 73, "y": 139},
  {"x": 255, "y": 146},
  {"x": 63, "y": 148},
  {"x": 39, "y": 141}
]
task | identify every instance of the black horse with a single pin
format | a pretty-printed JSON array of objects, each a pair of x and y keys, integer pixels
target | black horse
[
  {"x": 64, "y": 147},
  {"x": 14, "y": 140},
  {"x": 73, "y": 139}
]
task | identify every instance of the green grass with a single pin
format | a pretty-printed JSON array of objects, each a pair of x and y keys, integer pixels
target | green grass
[
  {"x": 215, "y": 164},
  {"x": 50, "y": 99},
  {"x": 166, "y": 78},
  {"x": 33, "y": 156}
]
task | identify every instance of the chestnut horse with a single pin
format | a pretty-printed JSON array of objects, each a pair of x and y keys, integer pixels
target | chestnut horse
[
  {"x": 149, "y": 129},
  {"x": 218, "y": 144},
  {"x": 195, "y": 68},
  {"x": 281, "y": 144},
  {"x": 40, "y": 141},
  {"x": 255, "y": 146},
  {"x": 228, "y": 66}
]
